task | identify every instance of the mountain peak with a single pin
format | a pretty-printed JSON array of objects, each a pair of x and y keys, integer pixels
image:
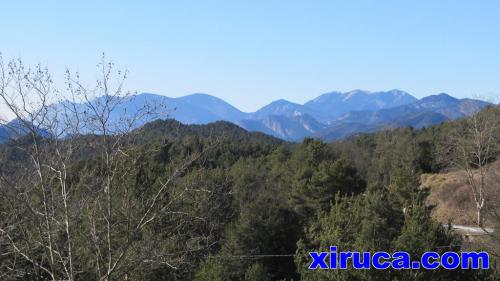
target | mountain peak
[
  {"x": 280, "y": 107},
  {"x": 280, "y": 102},
  {"x": 441, "y": 97},
  {"x": 201, "y": 96},
  {"x": 445, "y": 95},
  {"x": 334, "y": 104},
  {"x": 334, "y": 94},
  {"x": 354, "y": 93},
  {"x": 397, "y": 92},
  {"x": 358, "y": 91}
]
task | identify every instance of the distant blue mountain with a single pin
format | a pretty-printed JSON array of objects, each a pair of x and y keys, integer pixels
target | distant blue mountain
[
  {"x": 330, "y": 116},
  {"x": 292, "y": 128},
  {"x": 191, "y": 109},
  {"x": 284, "y": 108},
  {"x": 445, "y": 105},
  {"x": 425, "y": 112},
  {"x": 4, "y": 133},
  {"x": 206, "y": 108},
  {"x": 15, "y": 129},
  {"x": 334, "y": 104},
  {"x": 449, "y": 106}
]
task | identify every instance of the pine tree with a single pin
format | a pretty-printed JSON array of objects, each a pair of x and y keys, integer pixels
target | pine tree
[
  {"x": 212, "y": 270},
  {"x": 257, "y": 272}
]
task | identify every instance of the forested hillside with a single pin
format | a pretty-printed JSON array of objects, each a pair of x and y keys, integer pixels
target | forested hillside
[
  {"x": 247, "y": 207},
  {"x": 87, "y": 195}
]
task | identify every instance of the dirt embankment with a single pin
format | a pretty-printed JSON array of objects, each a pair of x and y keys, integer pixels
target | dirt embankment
[{"x": 452, "y": 197}]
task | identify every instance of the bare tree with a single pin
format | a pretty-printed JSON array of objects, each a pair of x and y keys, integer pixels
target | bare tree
[
  {"x": 472, "y": 145},
  {"x": 61, "y": 227}
]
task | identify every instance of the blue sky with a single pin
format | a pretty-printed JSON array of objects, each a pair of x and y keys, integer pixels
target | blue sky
[{"x": 252, "y": 52}]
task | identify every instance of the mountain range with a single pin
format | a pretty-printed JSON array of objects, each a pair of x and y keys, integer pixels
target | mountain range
[{"x": 330, "y": 116}]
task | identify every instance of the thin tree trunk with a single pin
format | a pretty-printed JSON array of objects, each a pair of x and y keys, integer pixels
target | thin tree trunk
[{"x": 480, "y": 217}]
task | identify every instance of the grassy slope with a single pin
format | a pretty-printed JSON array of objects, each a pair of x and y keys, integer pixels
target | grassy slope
[{"x": 452, "y": 196}]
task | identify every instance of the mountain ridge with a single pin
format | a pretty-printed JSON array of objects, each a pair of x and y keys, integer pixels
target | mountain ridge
[{"x": 329, "y": 116}]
